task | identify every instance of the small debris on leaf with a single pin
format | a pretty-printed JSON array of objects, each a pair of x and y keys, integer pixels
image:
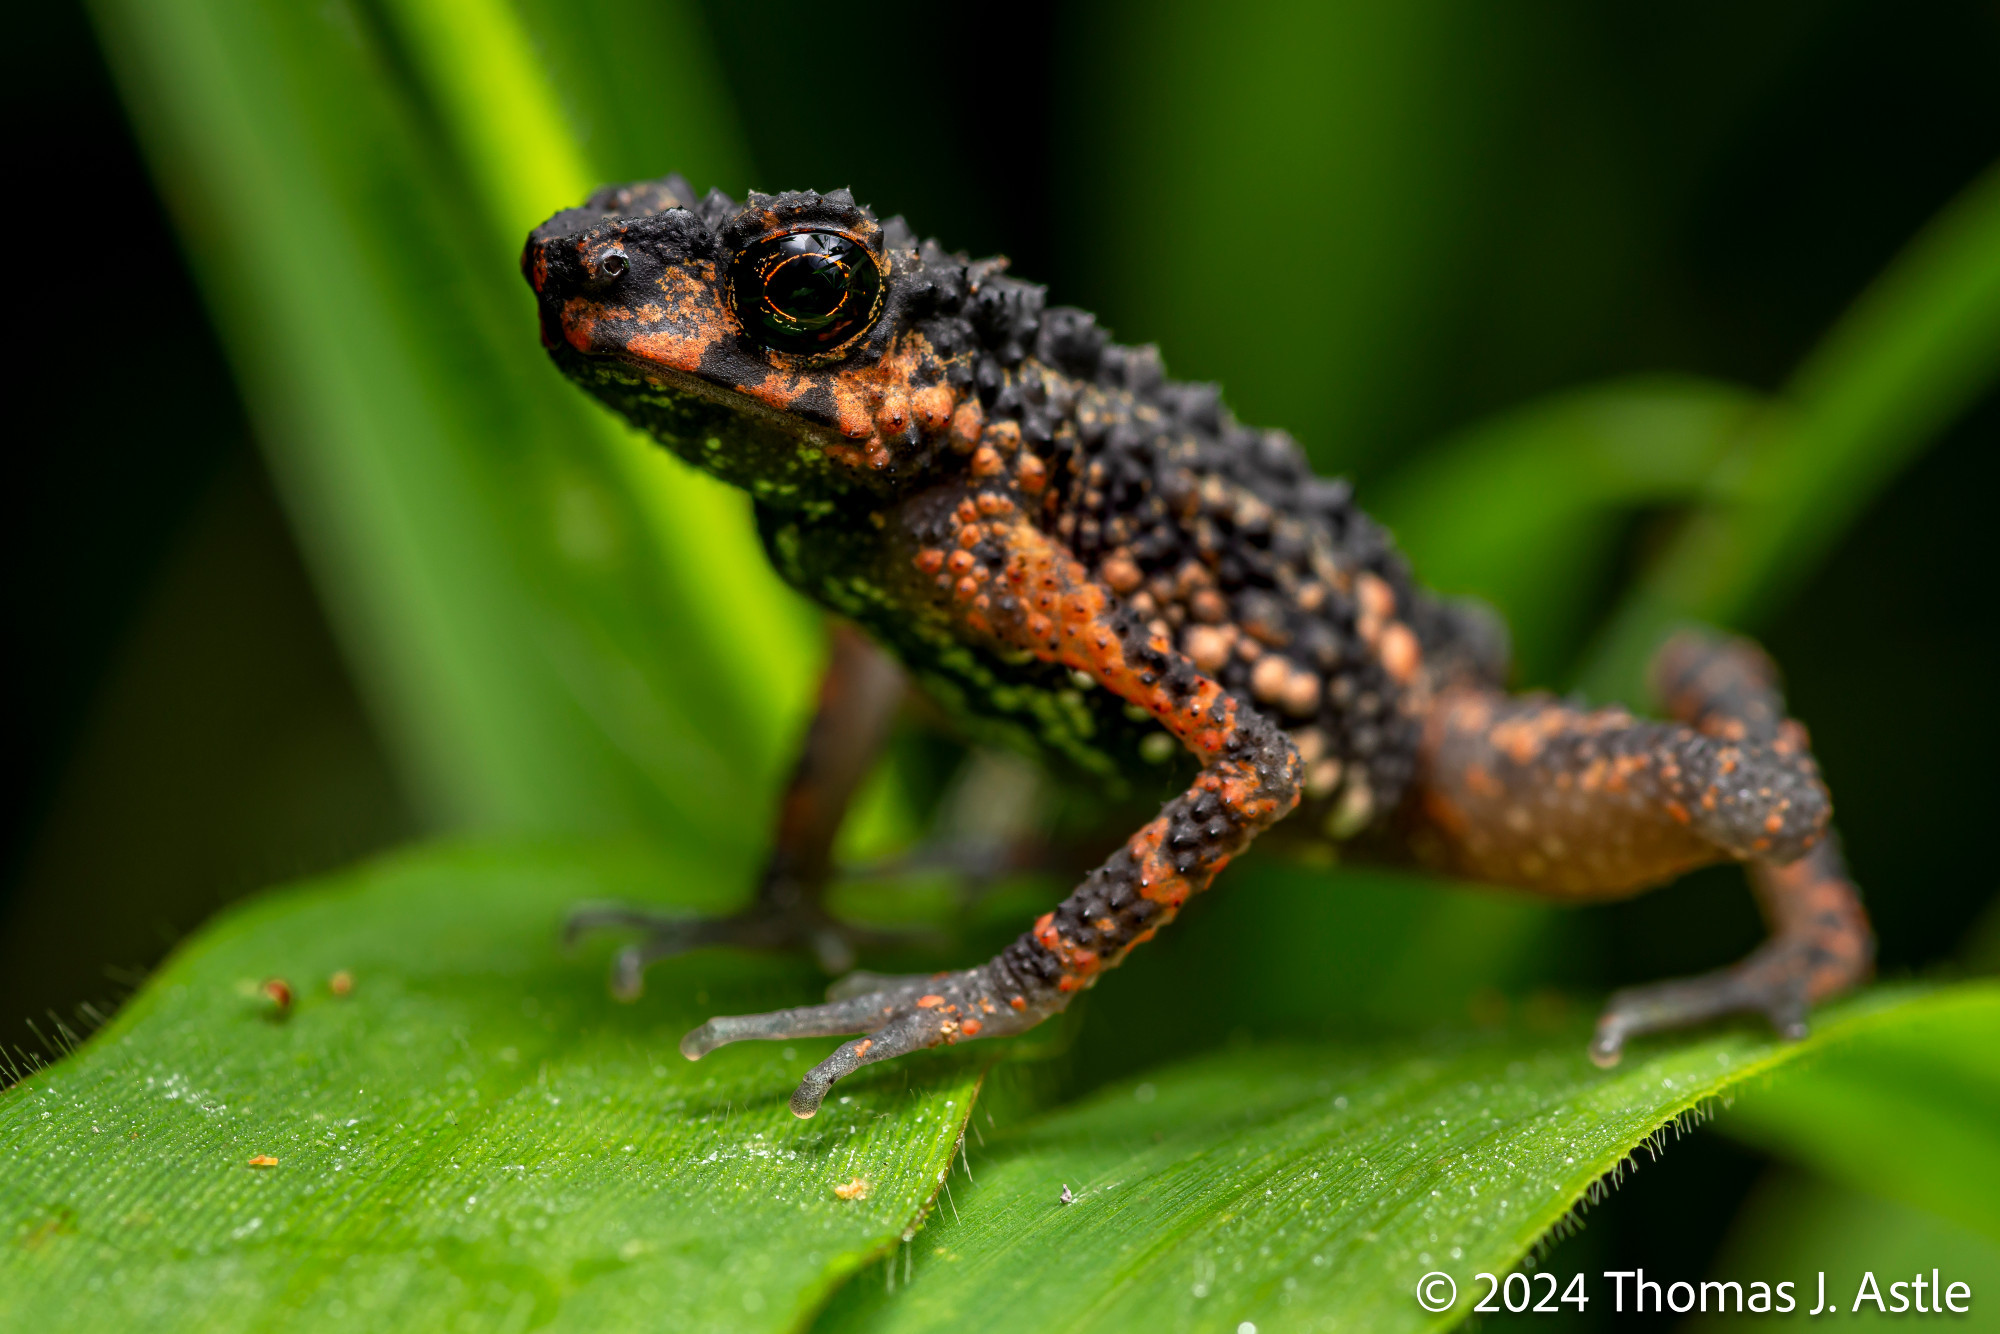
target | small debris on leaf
[
  {"x": 263, "y": 1160},
  {"x": 856, "y": 1189},
  {"x": 341, "y": 983},
  {"x": 278, "y": 991},
  {"x": 1066, "y": 1197}
]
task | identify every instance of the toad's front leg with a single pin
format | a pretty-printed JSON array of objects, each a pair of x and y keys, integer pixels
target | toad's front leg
[
  {"x": 858, "y": 698},
  {"x": 1035, "y": 597}
]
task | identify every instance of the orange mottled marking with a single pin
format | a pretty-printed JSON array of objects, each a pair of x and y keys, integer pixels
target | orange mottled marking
[
  {"x": 1046, "y": 602},
  {"x": 1122, "y": 573},
  {"x": 968, "y": 421},
  {"x": 1401, "y": 657},
  {"x": 1377, "y": 599},
  {"x": 933, "y": 407}
]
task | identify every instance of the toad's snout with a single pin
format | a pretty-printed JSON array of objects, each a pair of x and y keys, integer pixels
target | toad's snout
[{"x": 642, "y": 290}]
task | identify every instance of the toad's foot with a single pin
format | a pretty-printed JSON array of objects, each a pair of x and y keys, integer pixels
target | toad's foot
[
  {"x": 1771, "y": 982},
  {"x": 833, "y": 943},
  {"x": 898, "y": 1014},
  {"x": 1822, "y": 947}
]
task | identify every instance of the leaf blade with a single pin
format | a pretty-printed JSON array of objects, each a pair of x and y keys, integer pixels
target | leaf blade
[
  {"x": 1197, "y": 1204},
  {"x": 473, "y": 1083}
]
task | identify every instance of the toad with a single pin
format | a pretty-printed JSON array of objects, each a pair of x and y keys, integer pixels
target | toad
[{"x": 1077, "y": 556}]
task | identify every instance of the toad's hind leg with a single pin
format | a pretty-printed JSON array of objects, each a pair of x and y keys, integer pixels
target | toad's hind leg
[
  {"x": 1594, "y": 804},
  {"x": 858, "y": 699},
  {"x": 1820, "y": 942}
]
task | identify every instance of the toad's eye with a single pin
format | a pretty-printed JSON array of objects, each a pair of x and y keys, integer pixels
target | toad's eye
[
  {"x": 612, "y": 263},
  {"x": 806, "y": 292}
]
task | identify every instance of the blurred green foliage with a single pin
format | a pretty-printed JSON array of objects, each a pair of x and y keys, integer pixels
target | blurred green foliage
[
  {"x": 499, "y": 557},
  {"x": 1801, "y": 1228},
  {"x": 1672, "y": 318}
]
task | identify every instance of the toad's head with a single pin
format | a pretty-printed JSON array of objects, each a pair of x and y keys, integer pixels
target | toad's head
[{"x": 792, "y": 346}]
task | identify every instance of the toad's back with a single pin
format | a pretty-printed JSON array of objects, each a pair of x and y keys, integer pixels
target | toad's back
[{"x": 1218, "y": 536}]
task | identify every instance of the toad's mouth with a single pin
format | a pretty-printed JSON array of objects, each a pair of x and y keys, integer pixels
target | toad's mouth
[{"x": 748, "y": 436}]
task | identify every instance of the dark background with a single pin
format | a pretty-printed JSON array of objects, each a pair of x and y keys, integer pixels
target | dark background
[{"x": 1705, "y": 197}]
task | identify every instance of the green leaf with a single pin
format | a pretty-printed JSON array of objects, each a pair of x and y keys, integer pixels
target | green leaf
[
  {"x": 1373, "y": 952},
  {"x": 1910, "y": 1113},
  {"x": 1915, "y": 350},
  {"x": 560, "y": 627},
  {"x": 1310, "y": 1188},
  {"x": 475, "y": 1137},
  {"x": 1526, "y": 510}
]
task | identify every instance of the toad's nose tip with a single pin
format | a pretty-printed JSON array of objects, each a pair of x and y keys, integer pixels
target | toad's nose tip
[
  {"x": 535, "y": 264},
  {"x": 547, "y": 280}
]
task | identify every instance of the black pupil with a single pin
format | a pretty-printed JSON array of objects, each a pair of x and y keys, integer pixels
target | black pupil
[{"x": 806, "y": 292}]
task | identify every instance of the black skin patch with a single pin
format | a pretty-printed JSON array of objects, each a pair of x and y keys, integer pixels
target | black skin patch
[
  {"x": 1076, "y": 555},
  {"x": 816, "y": 405}
]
